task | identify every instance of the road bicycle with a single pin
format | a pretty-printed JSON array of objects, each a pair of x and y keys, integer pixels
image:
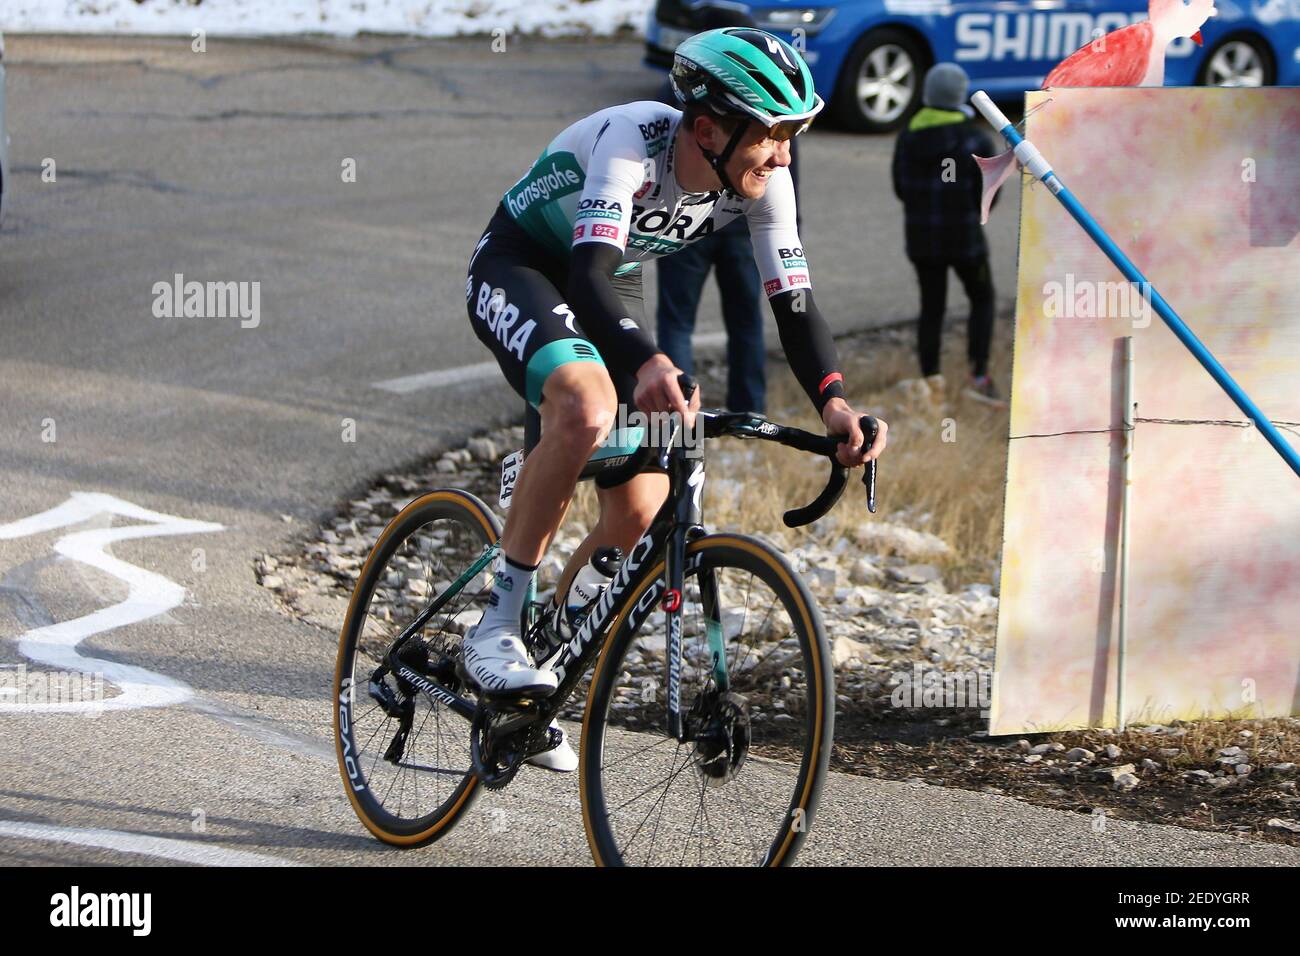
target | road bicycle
[{"x": 709, "y": 713}]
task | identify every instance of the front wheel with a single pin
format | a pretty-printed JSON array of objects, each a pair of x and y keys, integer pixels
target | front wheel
[{"x": 757, "y": 693}]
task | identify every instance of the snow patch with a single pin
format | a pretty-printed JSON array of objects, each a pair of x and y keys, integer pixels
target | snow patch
[{"x": 433, "y": 18}]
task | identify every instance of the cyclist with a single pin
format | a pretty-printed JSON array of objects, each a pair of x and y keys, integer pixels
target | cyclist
[{"x": 558, "y": 271}]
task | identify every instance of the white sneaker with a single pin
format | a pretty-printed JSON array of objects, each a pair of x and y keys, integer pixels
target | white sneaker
[
  {"x": 561, "y": 759},
  {"x": 499, "y": 663}
]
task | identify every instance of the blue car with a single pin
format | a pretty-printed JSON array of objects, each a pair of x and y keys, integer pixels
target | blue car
[{"x": 868, "y": 57}]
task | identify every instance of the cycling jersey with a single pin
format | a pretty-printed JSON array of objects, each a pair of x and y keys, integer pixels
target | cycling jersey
[
  {"x": 551, "y": 275},
  {"x": 610, "y": 178}
]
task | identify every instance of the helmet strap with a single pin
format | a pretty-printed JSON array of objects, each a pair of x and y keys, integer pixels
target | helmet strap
[{"x": 719, "y": 160}]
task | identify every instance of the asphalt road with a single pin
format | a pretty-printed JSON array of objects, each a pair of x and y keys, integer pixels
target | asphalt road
[{"x": 227, "y": 166}]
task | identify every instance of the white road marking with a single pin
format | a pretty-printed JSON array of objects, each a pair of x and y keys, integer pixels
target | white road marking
[
  {"x": 148, "y": 595},
  {"x": 183, "y": 851},
  {"x": 438, "y": 379},
  {"x": 481, "y": 370}
]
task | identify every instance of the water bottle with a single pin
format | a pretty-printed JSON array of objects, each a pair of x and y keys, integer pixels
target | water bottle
[
  {"x": 588, "y": 584},
  {"x": 592, "y": 578}
]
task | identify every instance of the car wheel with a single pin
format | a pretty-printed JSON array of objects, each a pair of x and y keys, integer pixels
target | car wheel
[
  {"x": 880, "y": 85},
  {"x": 1238, "y": 61}
]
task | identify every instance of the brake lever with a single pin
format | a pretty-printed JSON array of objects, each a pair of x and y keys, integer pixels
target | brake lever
[
  {"x": 870, "y": 429},
  {"x": 797, "y": 517}
]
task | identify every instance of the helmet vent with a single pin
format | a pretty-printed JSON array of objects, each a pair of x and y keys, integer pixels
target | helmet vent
[
  {"x": 800, "y": 89},
  {"x": 768, "y": 86}
]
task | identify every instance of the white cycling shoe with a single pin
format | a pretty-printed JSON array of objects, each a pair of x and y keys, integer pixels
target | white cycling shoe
[
  {"x": 499, "y": 663},
  {"x": 561, "y": 759}
]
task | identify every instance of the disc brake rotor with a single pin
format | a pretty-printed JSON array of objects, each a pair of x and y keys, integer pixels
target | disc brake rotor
[{"x": 722, "y": 739}]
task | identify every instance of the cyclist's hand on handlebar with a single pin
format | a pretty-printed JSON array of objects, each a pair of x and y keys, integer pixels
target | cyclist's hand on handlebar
[
  {"x": 657, "y": 390},
  {"x": 840, "y": 419}
]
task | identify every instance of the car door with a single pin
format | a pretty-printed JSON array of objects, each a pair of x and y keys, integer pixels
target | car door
[{"x": 1011, "y": 45}]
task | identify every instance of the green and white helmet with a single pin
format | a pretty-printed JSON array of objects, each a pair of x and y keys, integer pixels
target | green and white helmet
[{"x": 741, "y": 71}]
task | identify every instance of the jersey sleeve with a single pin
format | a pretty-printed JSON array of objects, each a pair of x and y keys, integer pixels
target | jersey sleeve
[
  {"x": 616, "y": 170},
  {"x": 774, "y": 232}
]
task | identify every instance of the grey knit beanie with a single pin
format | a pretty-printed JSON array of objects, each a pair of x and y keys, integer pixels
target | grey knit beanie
[{"x": 946, "y": 85}]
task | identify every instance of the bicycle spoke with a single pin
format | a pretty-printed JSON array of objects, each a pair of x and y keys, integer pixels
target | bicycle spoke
[{"x": 605, "y": 765}]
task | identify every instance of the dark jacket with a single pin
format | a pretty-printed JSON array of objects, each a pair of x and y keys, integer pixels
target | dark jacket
[{"x": 941, "y": 213}]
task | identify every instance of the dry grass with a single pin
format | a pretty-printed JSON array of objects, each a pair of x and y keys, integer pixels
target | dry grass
[{"x": 943, "y": 472}]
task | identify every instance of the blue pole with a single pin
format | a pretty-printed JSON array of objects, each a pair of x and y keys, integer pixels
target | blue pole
[{"x": 1033, "y": 161}]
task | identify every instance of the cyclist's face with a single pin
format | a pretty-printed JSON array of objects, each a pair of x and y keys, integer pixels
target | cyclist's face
[{"x": 754, "y": 161}]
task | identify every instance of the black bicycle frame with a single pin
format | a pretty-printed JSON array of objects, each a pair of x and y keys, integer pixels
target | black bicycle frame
[{"x": 678, "y": 520}]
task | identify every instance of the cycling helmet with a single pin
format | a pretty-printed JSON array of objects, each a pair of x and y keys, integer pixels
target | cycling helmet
[{"x": 745, "y": 72}]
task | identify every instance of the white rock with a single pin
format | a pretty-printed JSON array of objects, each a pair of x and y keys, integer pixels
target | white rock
[
  {"x": 822, "y": 576},
  {"x": 899, "y": 539},
  {"x": 1114, "y": 773},
  {"x": 864, "y": 572},
  {"x": 652, "y": 644},
  {"x": 1125, "y": 781},
  {"x": 483, "y": 449},
  {"x": 916, "y": 573},
  {"x": 845, "y": 649}
]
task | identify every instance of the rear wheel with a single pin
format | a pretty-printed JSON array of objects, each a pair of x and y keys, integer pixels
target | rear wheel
[
  {"x": 404, "y": 759},
  {"x": 1238, "y": 61},
  {"x": 742, "y": 791}
]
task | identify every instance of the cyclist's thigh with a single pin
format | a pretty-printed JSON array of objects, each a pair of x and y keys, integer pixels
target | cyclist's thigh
[
  {"x": 631, "y": 291},
  {"x": 518, "y": 313}
]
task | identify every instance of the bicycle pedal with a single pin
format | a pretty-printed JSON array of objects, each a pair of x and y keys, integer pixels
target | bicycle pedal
[{"x": 554, "y": 737}]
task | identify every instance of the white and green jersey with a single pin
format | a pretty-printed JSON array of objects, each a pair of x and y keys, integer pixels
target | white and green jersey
[{"x": 610, "y": 178}]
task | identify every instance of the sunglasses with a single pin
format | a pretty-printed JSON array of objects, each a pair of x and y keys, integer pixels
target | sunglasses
[
  {"x": 788, "y": 129},
  {"x": 791, "y": 126}
]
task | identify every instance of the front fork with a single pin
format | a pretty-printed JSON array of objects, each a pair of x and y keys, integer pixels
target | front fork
[{"x": 688, "y": 523}]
